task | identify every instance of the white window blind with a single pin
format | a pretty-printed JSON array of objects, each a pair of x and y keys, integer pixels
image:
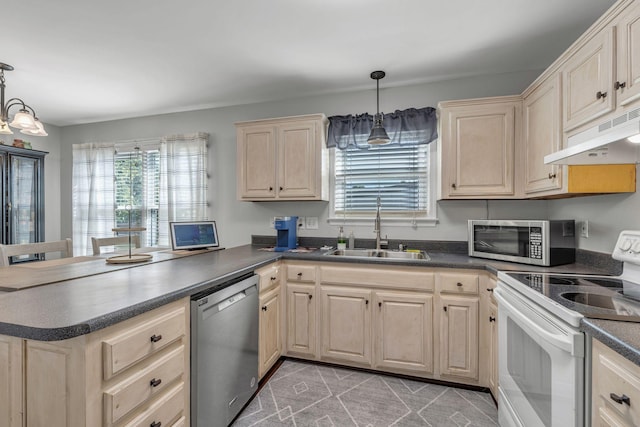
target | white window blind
[
  {"x": 398, "y": 174},
  {"x": 137, "y": 185}
]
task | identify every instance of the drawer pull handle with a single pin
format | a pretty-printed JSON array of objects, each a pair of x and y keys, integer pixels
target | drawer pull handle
[
  {"x": 459, "y": 285},
  {"x": 620, "y": 399},
  {"x": 299, "y": 275},
  {"x": 492, "y": 319},
  {"x": 489, "y": 289},
  {"x": 619, "y": 85},
  {"x": 155, "y": 382},
  {"x": 156, "y": 338},
  {"x": 601, "y": 94},
  {"x": 264, "y": 308},
  {"x": 552, "y": 176},
  {"x": 155, "y": 424},
  {"x": 273, "y": 279}
]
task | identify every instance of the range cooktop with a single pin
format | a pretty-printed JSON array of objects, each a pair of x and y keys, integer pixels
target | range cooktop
[{"x": 601, "y": 297}]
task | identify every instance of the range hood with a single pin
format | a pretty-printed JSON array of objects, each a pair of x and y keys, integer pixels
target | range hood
[{"x": 605, "y": 143}]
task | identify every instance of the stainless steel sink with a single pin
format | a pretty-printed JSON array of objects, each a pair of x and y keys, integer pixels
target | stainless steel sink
[{"x": 372, "y": 253}]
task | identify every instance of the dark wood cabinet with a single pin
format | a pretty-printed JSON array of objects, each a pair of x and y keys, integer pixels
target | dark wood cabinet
[{"x": 22, "y": 196}]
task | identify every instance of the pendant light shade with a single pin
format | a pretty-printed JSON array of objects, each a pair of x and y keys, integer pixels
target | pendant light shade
[
  {"x": 39, "y": 131},
  {"x": 25, "y": 119},
  {"x": 378, "y": 135}
]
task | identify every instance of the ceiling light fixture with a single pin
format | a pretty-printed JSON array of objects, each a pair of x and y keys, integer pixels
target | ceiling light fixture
[
  {"x": 25, "y": 119},
  {"x": 378, "y": 135}
]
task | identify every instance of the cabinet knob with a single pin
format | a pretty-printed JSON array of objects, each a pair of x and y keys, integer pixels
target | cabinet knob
[
  {"x": 299, "y": 275},
  {"x": 270, "y": 188},
  {"x": 619, "y": 85},
  {"x": 273, "y": 279},
  {"x": 310, "y": 296},
  {"x": 366, "y": 302},
  {"x": 156, "y": 338},
  {"x": 444, "y": 308},
  {"x": 264, "y": 308},
  {"x": 453, "y": 186},
  {"x": 492, "y": 319},
  {"x": 601, "y": 94},
  {"x": 552, "y": 176},
  {"x": 489, "y": 289},
  {"x": 620, "y": 399},
  {"x": 155, "y": 382},
  {"x": 281, "y": 188},
  {"x": 155, "y": 424},
  {"x": 380, "y": 304},
  {"x": 459, "y": 285}
]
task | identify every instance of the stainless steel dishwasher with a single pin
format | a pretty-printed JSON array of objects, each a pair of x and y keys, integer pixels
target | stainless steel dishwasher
[{"x": 224, "y": 352}]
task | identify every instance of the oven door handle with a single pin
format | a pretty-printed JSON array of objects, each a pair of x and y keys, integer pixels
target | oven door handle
[{"x": 562, "y": 341}]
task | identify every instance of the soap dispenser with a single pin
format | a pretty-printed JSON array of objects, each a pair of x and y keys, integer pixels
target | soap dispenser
[
  {"x": 352, "y": 241},
  {"x": 342, "y": 240}
]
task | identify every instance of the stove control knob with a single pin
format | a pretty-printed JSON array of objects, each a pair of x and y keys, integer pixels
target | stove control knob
[{"x": 626, "y": 245}]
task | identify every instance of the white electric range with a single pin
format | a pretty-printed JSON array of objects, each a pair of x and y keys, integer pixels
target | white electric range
[{"x": 542, "y": 351}]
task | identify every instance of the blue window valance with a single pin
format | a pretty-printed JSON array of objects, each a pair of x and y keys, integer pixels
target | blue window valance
[{"x": 412, "y": 126}]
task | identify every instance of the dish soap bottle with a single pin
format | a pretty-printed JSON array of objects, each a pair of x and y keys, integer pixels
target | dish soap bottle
[
  {"x": 352, "y": 241},
  {"x": 342, "y": 240}
]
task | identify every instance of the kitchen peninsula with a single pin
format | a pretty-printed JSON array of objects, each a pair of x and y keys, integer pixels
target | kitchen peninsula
[{"x": 101, "y": 337}]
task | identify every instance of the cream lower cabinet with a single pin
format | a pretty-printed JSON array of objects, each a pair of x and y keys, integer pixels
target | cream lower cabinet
[
  {"x": 346, "y": 324},
  {"x": 301, "y": 319},
  {"x": 615, "y": 391},
  {"x": 270, "y": 335},
  {"x": 493, "y": 349},
  {"x": 403, "y": 322},
  {"x": 11, "y": 387},
  {"x": 270, "y": 317},
  {"x": 129, "y": 374},
  {"x": 459, "y": 332}
]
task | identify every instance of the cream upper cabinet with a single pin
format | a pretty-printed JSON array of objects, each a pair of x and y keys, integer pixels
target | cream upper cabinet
[
  {"x": 404, "y": 331},
  {"x": 346, "y": 324},
  {"x": 301, "y": 319},
  {"x": 628, "y": 72},
  {"x": 587, "y": 79},
  {"x": 282, "y": 159},
  {"x": 615, "y": 389},
  {"x": 542, "y": 135},
  {"x": 270, "y": 335},
  {"x": 478, "y": 139}
]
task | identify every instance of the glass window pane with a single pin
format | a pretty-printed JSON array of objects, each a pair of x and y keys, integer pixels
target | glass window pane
[{"x": 23, "y": 200}]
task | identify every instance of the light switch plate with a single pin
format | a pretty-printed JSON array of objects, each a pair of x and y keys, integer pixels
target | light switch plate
[{"x": 312, "y": 223}]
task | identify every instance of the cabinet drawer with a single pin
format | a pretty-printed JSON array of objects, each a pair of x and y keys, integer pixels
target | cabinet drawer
[
  {"x": 123, "y": 350},
  {"x": 301, "y": 273},
  {"x": 614, "y": 381},
  {"x": 459, "y": 283},
  {"x": 143, "y": 385},
  {"x": 269, "y": 277},
  {"x": 162, "y": 411}
]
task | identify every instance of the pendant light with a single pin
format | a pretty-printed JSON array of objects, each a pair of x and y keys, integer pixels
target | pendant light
[
  {"x": 25, "y": 119},
  {"x": 378, "y": 135}
]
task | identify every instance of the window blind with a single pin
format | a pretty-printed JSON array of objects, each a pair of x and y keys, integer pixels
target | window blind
[{"x": 399, "y": 175}]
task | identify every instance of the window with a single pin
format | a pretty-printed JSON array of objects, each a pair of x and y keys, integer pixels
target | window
[
  {"x": 137, "y": 185},
  {"x": 399, "y": 175}
]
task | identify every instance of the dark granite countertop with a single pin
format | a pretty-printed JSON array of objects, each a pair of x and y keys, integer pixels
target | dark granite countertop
[
  {"x": 623, "y": 337},
  {"x": 79, "y": 306}
]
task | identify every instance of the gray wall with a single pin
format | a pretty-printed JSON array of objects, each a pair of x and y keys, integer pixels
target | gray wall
[{"x": 237, "y": 221}]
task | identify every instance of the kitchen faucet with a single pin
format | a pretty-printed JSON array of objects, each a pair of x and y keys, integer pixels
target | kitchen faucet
[{"x": 376, "y": 227}]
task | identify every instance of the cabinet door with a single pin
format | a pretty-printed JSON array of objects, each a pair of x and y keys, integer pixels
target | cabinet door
[
  {"x": 478, "y": 146},
  {"x": 301, "y": 319},
  {"x": 459, "y": 336},
  {"x": 297, "y": 160},
  {"x": 11, "y": 357},
  {"x": 256, "y": 162},
  {"x": 25, "y": 202},
  {"x": 542, "y": 135},
  {"x": 346, "y": 324},
  {"x": 403, "y": 331},
  {"x": 270, "y": 346},
  {"x": 493, "y": 349},
  {"x": 587, "y": 80},
  {"x": 629, "y": 55}
]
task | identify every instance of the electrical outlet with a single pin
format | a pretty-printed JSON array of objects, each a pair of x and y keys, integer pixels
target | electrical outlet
[
  {"x": 301, "y": 223},
  {"x": 312, "y": 223},
  {"x": 272, "y": 222},
  {"x": 584, "y": 229}
]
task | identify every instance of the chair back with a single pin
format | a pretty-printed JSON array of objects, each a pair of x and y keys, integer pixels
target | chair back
[
  {"x": 99, "y": 242},
  {"x": 65, "y": 247}
]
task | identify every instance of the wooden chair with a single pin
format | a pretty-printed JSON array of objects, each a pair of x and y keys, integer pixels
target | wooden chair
[
  {"x": 65, "y": 247},
  {"x": 99, "y": 242}
]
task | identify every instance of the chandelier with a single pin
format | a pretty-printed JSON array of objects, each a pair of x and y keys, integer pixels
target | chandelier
[{"x": 25, "y": 119}]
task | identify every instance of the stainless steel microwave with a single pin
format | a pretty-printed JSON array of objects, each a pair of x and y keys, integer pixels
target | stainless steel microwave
[{"x": 543, "y": 243}]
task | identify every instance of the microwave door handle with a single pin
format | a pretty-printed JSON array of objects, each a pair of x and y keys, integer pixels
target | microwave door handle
[{"x": 563, "y": 342}]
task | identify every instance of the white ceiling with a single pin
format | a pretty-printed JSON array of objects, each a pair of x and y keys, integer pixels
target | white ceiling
[{"x": 81, "y": 61}]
